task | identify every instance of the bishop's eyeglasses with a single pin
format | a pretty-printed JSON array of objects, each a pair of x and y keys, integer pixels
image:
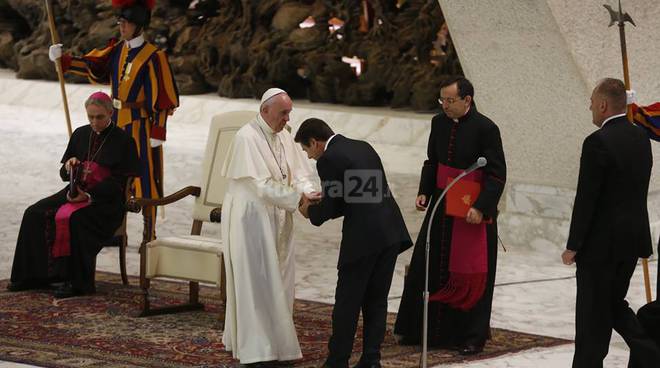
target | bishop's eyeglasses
[{"x": 448, "y": 100}]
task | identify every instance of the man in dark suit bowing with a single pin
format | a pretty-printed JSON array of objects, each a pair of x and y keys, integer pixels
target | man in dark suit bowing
[
  {"x": 373, "y": 234},
  {"x": 610, "y": 231}
]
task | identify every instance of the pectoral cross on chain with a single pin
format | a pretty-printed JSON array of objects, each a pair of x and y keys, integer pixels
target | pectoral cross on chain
[{"x": 86, "y": 171}]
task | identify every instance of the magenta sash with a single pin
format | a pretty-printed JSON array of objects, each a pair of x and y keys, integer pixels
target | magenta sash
[
  {"x": 62, "y": 243},
  {"x": 468, "y": 257}
]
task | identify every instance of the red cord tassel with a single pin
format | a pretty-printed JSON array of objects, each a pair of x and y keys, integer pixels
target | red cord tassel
[{"x": 462, "y": 290}]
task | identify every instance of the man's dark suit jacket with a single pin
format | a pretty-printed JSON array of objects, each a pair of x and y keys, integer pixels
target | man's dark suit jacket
[
  {"x": 352, "y": 175},
  {"x": 610, "y": 217}
]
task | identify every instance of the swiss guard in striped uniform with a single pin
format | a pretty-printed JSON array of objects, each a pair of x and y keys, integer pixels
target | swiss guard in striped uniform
[{"x": 143, "y": 89}]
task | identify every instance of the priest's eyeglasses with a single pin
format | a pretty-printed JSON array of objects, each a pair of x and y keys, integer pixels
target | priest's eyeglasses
[{"x": 448, "y": 100}]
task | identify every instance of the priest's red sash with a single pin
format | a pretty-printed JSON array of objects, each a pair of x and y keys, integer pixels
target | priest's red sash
[
  {"x": 468, "y": 257},
  {"x": 62, "y": 244}
]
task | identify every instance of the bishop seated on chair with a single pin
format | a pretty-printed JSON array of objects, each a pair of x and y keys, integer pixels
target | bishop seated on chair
[{"x": 61, "y": 235}]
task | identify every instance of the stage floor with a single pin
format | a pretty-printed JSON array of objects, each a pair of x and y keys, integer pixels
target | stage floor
[{"x": 535, "y": 293}]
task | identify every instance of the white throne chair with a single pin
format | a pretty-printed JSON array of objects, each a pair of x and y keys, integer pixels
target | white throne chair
[{"x": 193, "y": 258}]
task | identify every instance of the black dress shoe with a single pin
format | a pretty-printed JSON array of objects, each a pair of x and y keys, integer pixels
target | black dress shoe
[
  {"x": 368, "y": 365},
  {"x": 408, "y": 341},
  {"x": 68, "y": 291},
  {"x": 270, "y": 364},
  {"x": 29, "y": 285},
  {"x": 470, "y": 349},
  {"x": 17, "y": 286},
  {"x": 64, "y": 291}
]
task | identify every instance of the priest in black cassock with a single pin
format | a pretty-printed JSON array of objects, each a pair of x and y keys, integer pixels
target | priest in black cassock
[
  {"x": 61, "y": 235},
  {"x": 463, "y": 251}
]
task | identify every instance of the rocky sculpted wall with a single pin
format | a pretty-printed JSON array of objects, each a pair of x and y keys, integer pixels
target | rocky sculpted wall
[{"x": 239, "y": 48}]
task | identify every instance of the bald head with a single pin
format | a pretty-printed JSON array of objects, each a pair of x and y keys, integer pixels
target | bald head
[
  {"x": 608, "y": 99},
  {"x": 614, "y": 91}
]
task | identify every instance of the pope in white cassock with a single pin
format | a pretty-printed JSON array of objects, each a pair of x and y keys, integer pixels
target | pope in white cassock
[{"x": 267, "y": 176}]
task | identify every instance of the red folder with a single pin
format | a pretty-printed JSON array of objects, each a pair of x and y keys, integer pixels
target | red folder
[{"x": 461, "y": 196}]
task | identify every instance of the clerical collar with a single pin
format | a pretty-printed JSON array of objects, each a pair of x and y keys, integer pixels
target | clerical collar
[
  {"x": 136, "y": 42},
  {"x": 612, "y": 118},
  {"x": 328, "y": 141},
  {"x": 105, "y": 130},
  {"x": 464, "y": 115},
  {"x": 264, "y": 126}
]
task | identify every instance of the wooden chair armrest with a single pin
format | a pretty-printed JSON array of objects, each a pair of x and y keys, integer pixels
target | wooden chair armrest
[
  {"x": 216, "y": 214},
  {"x": 136, "y": 204}
]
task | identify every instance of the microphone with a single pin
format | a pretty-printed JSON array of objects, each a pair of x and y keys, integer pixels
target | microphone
[{"x": 481, "y": 162}]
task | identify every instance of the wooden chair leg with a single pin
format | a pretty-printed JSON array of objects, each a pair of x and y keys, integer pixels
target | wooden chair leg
[
  {"x": 122, "y": 260},
  {"x": 192, "y": 305},
  {"x": 146, "y": 307},
  {"x": 193, "y": 292},
  {"x": 144, "y": 281},
  {"x": 94, "y": 268}
]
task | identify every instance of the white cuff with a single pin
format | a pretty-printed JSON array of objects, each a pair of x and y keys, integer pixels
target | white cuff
[
  {"x": 155, "y": 142},
  {"x": 631, "y": 97}
]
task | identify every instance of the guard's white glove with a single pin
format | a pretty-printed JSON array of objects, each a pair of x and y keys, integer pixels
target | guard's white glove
[
  {"x": 631, "y": 96},
  {"x": 155, "y": 142},
  {"x": 55, "y": 52}
]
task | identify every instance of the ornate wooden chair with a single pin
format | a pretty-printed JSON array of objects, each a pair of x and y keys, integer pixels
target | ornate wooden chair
[{"x": 193, "y": 257}]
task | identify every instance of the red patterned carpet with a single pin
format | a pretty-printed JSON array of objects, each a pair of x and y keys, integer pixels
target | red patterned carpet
[{"x": 103, "y": 331}]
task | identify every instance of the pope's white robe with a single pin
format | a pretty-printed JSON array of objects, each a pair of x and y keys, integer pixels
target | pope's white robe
[{"x": 257, "y": 224}]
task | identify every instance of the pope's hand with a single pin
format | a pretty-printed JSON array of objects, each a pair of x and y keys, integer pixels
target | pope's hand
[
  {"x": 55, "y": 52},
  {"x": 303, "y": 205},
  {"x": 313, "y": 197}
]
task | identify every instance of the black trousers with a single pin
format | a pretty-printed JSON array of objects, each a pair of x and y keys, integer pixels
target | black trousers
[
  {"x": 601, "y": 307},
  {"x": 362, "y": 285}
]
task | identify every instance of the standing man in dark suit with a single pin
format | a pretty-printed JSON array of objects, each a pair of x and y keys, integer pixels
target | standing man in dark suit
[
  {"x": 610, "y": 231},
  {"x": 373, "y": 234}
]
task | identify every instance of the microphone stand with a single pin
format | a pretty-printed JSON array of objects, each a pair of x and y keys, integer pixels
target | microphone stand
[{"x": 425, "y": 327}]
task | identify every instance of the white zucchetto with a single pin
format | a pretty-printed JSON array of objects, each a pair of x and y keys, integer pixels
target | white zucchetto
[{"x": 270, "y": 93}]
